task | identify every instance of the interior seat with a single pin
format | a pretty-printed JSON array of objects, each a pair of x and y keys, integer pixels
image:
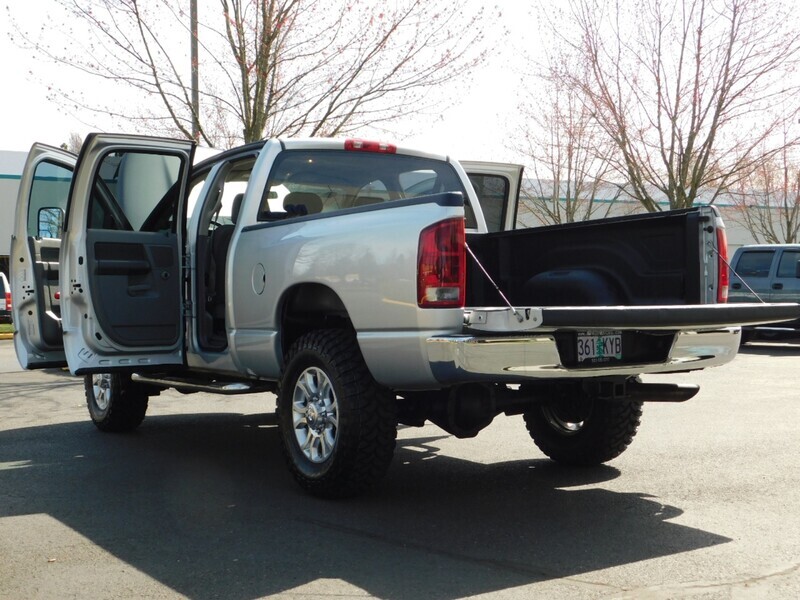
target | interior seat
[
  {"x": 220, "y": 242},
  {"x": 302, "y": 203}
]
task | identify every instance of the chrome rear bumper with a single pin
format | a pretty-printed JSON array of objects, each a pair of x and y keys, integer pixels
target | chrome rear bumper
[{"x": 456, "y": 359}]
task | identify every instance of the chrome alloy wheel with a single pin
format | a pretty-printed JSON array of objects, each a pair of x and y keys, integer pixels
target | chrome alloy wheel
[
  {"x": 315, "y": 414},
  {"x": 101, "y": 386}
]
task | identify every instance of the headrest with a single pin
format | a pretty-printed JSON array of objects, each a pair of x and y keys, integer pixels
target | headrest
[
  {"x": 237, "y": 204},
  {"x": 308, "y": 200}
]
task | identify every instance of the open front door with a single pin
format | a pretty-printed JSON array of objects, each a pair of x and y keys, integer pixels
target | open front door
[
  {"x": 122, "y": 273},
  {"x": 497, "y": 186},
  {"x": 35, "y": 249}
]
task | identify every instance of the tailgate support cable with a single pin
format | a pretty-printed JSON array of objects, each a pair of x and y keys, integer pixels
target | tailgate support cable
[{"x": 520, "y": 319}]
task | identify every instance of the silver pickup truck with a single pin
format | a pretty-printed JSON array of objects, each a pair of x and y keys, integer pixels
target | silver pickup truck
[{"x": 367, "y": 285}]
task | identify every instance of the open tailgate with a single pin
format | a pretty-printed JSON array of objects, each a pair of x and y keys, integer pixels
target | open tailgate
[{"x": 688, "y": 317}]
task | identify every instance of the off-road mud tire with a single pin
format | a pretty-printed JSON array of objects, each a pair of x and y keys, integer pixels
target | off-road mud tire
[
  {"x": 115, "y": 403},
  {"x": 604, "y": 431},
  {"x": 366, "y": 417}
]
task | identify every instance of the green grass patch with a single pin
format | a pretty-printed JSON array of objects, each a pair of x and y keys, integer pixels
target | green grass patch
[{"x": 6, "y": 328}]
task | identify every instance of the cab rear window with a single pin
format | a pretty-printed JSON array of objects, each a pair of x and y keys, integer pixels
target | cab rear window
[{"x": 306, "y": 182}]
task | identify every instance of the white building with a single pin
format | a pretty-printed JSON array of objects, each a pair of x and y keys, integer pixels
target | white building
[{"x": 11, "y": 164}]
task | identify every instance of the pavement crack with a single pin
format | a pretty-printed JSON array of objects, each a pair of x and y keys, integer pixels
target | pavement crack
[{"x": 688, "y": 588}]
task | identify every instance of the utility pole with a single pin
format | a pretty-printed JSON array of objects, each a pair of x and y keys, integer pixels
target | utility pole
[{"x": 195, "y": 74}]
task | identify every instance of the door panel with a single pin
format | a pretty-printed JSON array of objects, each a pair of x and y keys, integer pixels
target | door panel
[
  {"x": 136, "y": 286},
  {"x": 786, "y": 284},
  {"x": 123, "y": 308},
  {"x": 45, "y": 279},
  {"x": 35, "y": 254}
]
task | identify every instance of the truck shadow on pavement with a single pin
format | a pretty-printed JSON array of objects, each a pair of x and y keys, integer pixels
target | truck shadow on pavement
[{"x": 204, "y": 505}]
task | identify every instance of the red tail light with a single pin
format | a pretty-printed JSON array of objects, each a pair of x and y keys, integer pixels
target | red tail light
[
  {"x": 723, "y": 274},
  {"x": 441, "y": 265},
  {"x": 369, "y": 146},
  {"x": 8, "y": 300}
]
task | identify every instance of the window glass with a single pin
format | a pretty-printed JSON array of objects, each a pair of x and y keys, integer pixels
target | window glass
[
  {"x": 228, "y": 190},
  {"x": 50, "y": 222},
  {"x": 422, "y": 182},
  {"x": 788, "y": 265},
  {"x": 312, "y": 181},
  {"x": 492, "y": 191},
  {"x": 374, "y": 192},
  {"x": 48, "y": 202},
  {"x": 754, "y": 263},
  {"x": 135, "y": 191}
]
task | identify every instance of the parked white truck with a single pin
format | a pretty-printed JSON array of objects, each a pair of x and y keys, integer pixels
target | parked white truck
[{"x": 368, "y": 285}]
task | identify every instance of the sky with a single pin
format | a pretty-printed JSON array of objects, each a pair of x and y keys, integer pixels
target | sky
[{"x": 473, "y": 125}]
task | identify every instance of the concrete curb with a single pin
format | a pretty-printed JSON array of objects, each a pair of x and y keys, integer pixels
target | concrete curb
[{"x": 6, "y": 336}]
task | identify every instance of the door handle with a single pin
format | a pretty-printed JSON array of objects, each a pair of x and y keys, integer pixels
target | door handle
[
  {"x": 736, "y": 286},
  {"x": 107, "y": 266},
  {"x": 777, "y": 286},
  {"x": 135, "y": 290}
]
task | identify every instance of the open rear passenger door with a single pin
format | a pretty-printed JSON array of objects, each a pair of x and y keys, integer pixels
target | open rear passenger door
[
  {"x": 498, "y": 186},
  {"x": 122, "y": 274},
  {"x": 35, "y": 247}
]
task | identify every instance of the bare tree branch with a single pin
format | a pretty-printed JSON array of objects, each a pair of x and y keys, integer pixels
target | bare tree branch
[
  {"x": 567, "y": 153},
  {"x": 767, "y": 201},
  {"x": 695, "y": 94},
  {"x": 267, "y": 67}
]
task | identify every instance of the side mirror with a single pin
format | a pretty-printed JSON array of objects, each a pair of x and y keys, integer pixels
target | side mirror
[{"x": 51, "y": 222}]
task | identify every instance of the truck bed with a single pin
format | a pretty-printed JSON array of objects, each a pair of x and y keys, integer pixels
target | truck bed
[{"x": 651, "y": 259}]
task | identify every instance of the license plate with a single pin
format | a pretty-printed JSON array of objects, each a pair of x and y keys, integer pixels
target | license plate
[{"x": 602, "y": 346}]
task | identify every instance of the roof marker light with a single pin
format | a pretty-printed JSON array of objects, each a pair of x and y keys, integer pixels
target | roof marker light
[{"x": 370, "y": 146}]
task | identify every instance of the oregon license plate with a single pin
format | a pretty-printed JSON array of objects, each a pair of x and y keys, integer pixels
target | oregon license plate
[{"x": 599, "y": 346}]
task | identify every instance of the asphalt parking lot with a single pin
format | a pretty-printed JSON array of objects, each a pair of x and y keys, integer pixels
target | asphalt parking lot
[{"x": 197, "y": 503}]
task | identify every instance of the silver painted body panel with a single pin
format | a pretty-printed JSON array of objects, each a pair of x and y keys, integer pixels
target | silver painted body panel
[{"x": 368, "y": 260}]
